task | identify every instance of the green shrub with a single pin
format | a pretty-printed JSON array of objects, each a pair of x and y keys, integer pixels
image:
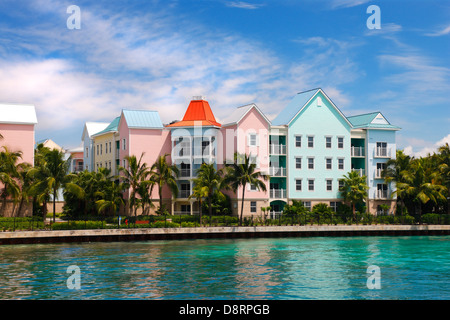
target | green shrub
[
  {"x": 21, "y": 223},
  {"x": 435, "y": 218},
  {"x": 78, "y": 225}
]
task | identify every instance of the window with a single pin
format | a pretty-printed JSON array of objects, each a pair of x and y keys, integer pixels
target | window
[
  {"x": 328, "y": 163},
  {"x": 253, "y": 187},
  {"x": 298, "y": 141},
  {"x": 341, "y": 164},
  {"x": 252, "y": 139},
  {"x": 340, "y": 142},
  {"x": 381, "y": 149},
  {"x": 298, "y": 184},
  {"x": 110, "y": 165},
  {"x": 310, "y": 142},
  {"x": 334, "y": 205},
  {"x": 298, "y": 163},
  {"x": 341, "y": 184},
  {"x": 311, "y": 184},
  {"x": 124, "y": 164},
  {"x": 380, "y": 168},
  {"x": 124, "y": 144},
  {"x": 307, "y": 205},
  {"x": 110, "y": 147},
  {"x": 310, "y": 163},
  {"x": 98, "y": 149},
  {"x": 329, "y": 184},
  {"x": 328, "y": 142},
  {"x": 185, "y": 208},
  {"x": 101, "y": 149},
  {"x": 106, "y": 147},
  {"x": 87, "y": 152},
  {"x": 253, "y": 206}
]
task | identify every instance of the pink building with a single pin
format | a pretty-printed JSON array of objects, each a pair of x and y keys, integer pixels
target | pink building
[
  {"x": 17, "y": 129},
  {"x": 246, "y": 131},
  {"x": 142, "y": 132}
]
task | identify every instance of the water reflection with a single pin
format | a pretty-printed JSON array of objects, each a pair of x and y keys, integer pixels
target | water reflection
[{"x": 302, "y": 268}]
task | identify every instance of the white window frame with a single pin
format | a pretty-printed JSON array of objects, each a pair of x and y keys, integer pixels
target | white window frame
[
  {"x": 343, "y": 141},
  {"x": 313, "y": 185},
  {"x": 343, "y": 163},
  {"x": 329, "y": 183},
  {"x": 253, "y": 207},
  {"x": 307, "y": 141},
  {"x": 300, "y": 140},
  {"x": 299, "y": 180},
  {"x": 124, "y": 144},
  {"x": 326, "y": 142},
  {"x": 309, "y": 158},
  {"x": 299, "y": 159},
  {"x": 252, "y": 139},
  {"x": 331, "y": 163}
]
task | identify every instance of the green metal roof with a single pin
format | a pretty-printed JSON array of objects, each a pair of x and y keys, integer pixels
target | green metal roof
[
  {"x": 113, "y": 126},
  {"x": 367, "y": 121}
]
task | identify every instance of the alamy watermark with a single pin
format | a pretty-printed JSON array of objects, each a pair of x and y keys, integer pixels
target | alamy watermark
[
  {"x": 374, "y": 279},
  {"x": 74, "y": 20},
  {"x": 74, "y": 280},
  {"x": 374, "y": 21}
]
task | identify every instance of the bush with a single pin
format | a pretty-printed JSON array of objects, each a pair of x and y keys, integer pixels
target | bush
[
  {"x": 79, "y": 225},
  {"x": 435, "y": 218},
  {"x": 21, "y": 223}
]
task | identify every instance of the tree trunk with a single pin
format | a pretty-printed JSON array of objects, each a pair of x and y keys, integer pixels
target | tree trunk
[
  {"x": 354, "y": 212},
  {"x": 54, "y": 205},
  {"x": 210, "y": 209},
  {"x": 242, "y": 205}
]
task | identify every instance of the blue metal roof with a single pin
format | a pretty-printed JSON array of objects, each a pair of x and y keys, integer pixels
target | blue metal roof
[
  {"x": 142, "y": 119},
  {"x": 366, "y": 121},
  {"x": 293, "y": 107}
]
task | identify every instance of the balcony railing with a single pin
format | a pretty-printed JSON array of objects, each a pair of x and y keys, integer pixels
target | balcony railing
[
  {"x": 117, "y": 154},
  {"x": 185, "y": 173},
  {"x": 181, "y": 152},
  {"x": 78, "y": 168},
  {"x": 279, "y": 149},
  {"x": 378, "y": 173},
  {"x": 277, "y": 172},
  {"x": 381, "y": 152},
  {"x": 275, "y": 214},
  {"x": 184, "y": 194},
  {"x": 277, "y": 193},
  {"x": 202, "y": 151},
  {"x": 357, "y": 151},
  {"x": 361, "y": 172},
  {"x": 381, "y": 194}
]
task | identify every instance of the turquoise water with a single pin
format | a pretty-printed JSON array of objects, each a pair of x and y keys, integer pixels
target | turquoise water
[{"x": 415, "y": 267}]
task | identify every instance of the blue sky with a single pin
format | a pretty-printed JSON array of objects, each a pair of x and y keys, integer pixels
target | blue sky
[{"x": 158, "y": 54}]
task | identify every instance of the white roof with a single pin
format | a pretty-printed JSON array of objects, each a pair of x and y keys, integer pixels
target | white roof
[
  {"x": 93, "y": 127},
  {"x": 240, "y": 113},
  {"x": 17, "y": 113}
]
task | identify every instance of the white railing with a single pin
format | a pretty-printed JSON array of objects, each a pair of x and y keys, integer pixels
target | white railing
[
  {"x": 357, "y": 151},
  {"x": 382, "y": 152},
  {"x": 275, "y": 214},
  {"x": 117, "y": 154},
  {"x": 381, "y": 194},
  {"x": 202, "y": 151},
  {"x": 185, "y": 173},
  {"x": 277, "y": 172},
  {"x": 378, "y": 173},
  {"x": 178, "y": 213},
  {"x": 361, "y": 172},
  {"x": 184, "y": 194},
  {"x": 277, "y": 149},
  {"x": 277, "y": 193},
  {"x": 181, "y": 152}
]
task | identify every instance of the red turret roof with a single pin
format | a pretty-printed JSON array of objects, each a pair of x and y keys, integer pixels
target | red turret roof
[{"x": 198, "y": 112}]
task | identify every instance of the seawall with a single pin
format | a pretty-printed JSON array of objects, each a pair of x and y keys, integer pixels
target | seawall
[{"x": 144, "y": 234}]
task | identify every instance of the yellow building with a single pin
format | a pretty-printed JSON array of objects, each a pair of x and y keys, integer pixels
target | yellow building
[{"x": 106, "y": 151}]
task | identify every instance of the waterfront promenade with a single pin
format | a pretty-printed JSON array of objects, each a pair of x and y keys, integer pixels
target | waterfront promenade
[{"x": 142, "y": 234}]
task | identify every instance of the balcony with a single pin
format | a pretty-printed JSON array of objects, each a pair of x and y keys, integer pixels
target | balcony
[
  {"x": 183, "y": 194},
  {"x": 378, "y": 173},
  {"x": 357, "y": 151},
  {"x": 361, "y": 172},
  {"x": 381, "y": 194},
  {"x": 275, "y": 214},
  {"x": 185, "y": 173},
  {"x": 78, "y": 168},
  {"x": 117, "y": 154},
  {"x": 203, "y": 151},
  {"x": 277, "y": 149},
  {"x": 382, "y": 152},
  {"x": 277, "y": 193},
  {"x": 277, "y": 172},
  {"x": 179, "y": 152}
]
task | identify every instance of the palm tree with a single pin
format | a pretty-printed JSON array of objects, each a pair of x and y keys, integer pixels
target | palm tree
[
  {"x": 9, "y": 175},
  {"x": 111, "y": 197},
  {"x": 422, "y": 184},
  {"x": 444, "y": 169},
  {"x": 51, "y": 176},
  {"x": 354, "y": 189},
  {"x": 242, "y": 172},
  {"x": 136, "y": 173},
  {"x": 395, "y": 171},
  {"x": 25, "y": 184},
  {"x": 163, "y": 173},
  {"x": 199, "y": 192},
  {"x": 211, "y": 180}
]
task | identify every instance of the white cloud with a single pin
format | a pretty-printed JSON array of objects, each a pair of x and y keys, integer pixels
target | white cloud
[
  {"x": 243, "y": 5},
  {"x": 439, "y": 33},
  {"x": 424, "y": 151}
]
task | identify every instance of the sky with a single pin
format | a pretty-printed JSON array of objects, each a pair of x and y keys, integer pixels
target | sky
[{"x": 157, "y": 55}]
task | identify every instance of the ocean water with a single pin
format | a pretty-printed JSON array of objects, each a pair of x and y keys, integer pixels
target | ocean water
[{"x": 416, "y": 267}]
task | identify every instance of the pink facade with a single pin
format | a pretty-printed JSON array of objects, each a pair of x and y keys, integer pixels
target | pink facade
[
  {"x": 19, "y": 137},
  {"x": 151, "y": 142}
]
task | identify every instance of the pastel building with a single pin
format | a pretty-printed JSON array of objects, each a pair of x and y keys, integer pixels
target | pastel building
[
  {"x": 90, "y": 128},
  {"x": 305, "y": 150},
  {"x": 17, "y": 128}
]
